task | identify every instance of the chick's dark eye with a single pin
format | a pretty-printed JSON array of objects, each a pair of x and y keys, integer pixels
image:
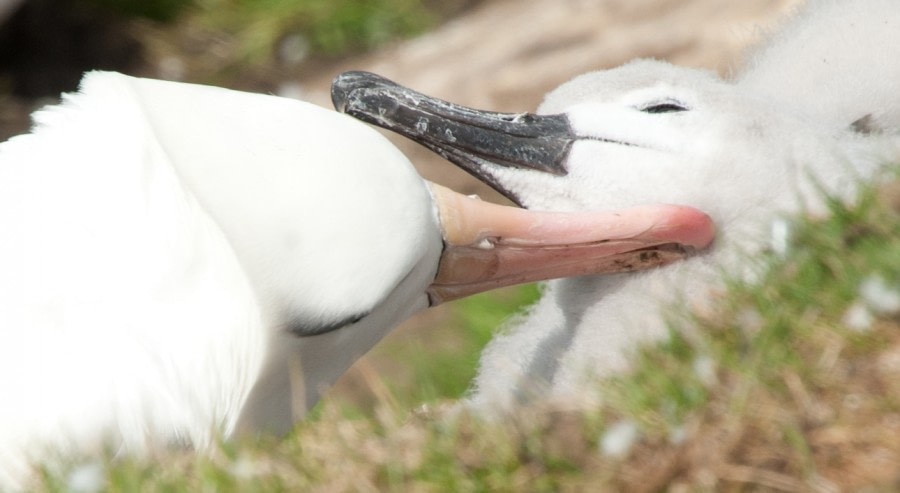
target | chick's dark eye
[{"x": 664, "y": 107}]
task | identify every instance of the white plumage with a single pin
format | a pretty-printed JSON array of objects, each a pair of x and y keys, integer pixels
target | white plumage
[
  {"x": 156, "y": 239},
  {"x": 818, "y": 107},
  {"x": 182, "y": 262}
]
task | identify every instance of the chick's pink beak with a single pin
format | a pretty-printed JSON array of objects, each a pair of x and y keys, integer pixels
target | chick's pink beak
[{"x": 487, "y": 246}]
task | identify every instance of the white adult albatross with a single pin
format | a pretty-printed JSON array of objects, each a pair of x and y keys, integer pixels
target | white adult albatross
[
  {"x": 818, "y": 108},
  {"x": 181, "y": 261}
]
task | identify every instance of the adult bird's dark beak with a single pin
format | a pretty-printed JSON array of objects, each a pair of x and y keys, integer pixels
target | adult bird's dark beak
[{"x": 469, "y": 138}]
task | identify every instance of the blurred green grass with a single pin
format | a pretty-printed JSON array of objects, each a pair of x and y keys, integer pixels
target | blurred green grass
[
  {"x": 323, "y": 27},
  {"x": 329, "y": 27}
]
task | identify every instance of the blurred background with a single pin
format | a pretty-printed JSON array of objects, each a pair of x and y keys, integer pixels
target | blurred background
[{"x": 494, "y": 54}]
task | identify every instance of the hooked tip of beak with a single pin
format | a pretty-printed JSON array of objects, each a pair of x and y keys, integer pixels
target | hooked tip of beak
[
  {"x": 341, "y": 88},
  {"x": 347, "y": 83}
]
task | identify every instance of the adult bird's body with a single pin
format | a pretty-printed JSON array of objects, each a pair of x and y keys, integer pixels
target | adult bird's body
[
  {"x": 817, "y": 111},
  {"x": 183, "y": 262},
  {"x": 145, "y": 279}
]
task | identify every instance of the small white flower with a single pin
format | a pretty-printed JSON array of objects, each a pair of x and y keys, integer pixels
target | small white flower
[
  {"x": 705, "y": 369},
  {"x": 781, "y": 236},
  {"x": 244, "y": 468},
  {"x": 858, "y": 317},
  {"x": 86, "y": 478},
  {"x": 618, "y": 439},
  {"x": 881, "y": 297}
]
